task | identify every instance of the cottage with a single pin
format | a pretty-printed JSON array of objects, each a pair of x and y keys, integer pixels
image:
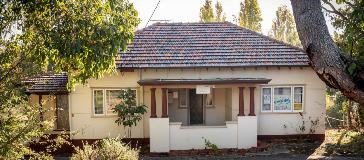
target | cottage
[{"x": 214, "y": 81}]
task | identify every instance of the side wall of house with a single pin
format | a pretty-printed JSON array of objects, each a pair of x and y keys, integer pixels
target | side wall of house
[
  {"x": 48, "y": 106},
  {"x": 85, "y": 123},
  {"x": 92, "y": 127}
]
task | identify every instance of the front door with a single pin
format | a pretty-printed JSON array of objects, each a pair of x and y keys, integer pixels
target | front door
[{"x": 196, "y": 107}]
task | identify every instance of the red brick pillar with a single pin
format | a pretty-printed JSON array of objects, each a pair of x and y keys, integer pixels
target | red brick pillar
[
  {"x": 252, "y": 101},
  {"x": 153, "y": 112},
  {"x": 241, "y": 101},
  {"x": 164, "y": 103}
]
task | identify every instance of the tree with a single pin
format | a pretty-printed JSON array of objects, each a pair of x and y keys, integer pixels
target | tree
[
  {"x": 250, "y": 15},
  {"x": 81, "y": 37},
  {"x": 284, "y": 27},
  {"x": 350, "y": 40},
  {"x": 220, "y": 16},
  {"x": 129, "y": 113},
  {"x": 207, "y": 12},
  {"x": 331, "y": 64}
]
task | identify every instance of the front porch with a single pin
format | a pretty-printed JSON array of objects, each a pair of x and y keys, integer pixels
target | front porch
[{"x": 195, "y": 111}]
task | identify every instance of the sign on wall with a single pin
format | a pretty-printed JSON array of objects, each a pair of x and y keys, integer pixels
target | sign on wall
[{"x": 203, "y": 89}]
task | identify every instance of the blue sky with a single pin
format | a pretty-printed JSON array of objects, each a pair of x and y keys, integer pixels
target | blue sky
[{"x": 188, "y": 10}]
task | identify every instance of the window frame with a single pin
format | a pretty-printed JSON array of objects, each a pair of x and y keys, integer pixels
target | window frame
[
  {"x": 272, "y": 110},
  {"x": 104, "y": 108}
]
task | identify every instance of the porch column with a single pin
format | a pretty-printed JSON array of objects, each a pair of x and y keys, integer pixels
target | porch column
[
  {"x": 153, "y": 112},
  {"x": 252, "y": 112},
  {"x": 164, "y": 103},
  {"x": 241, "y": 101}
]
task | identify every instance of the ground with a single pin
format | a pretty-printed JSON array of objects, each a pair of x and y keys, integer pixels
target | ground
[{"x": 338, "y": 144}]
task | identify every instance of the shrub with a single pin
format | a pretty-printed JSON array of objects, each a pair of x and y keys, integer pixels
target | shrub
[{"x": 106, "y": 149}]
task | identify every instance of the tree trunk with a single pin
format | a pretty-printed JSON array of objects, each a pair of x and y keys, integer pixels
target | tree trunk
[{"x": 325, "y": 57}]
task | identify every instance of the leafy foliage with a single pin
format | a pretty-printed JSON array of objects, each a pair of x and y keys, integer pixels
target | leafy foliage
[
  {"x": 129, "y": 113},
  {"x": 207, "y": 13},
  {"x": 20, "y": 122},
  {"x": 250, "y": 15},
  {"x": 81, "y": 37},
  {"x": 349, "y": 19},
  {"x": 284, "y": 27},
  {"x": 213, "y": 147},
  {"x": 106, "y": 149},
  {"x": 220, "y": 16}
]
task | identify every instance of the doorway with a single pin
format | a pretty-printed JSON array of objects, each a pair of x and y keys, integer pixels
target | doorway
[{"x": 196, "y": 110}]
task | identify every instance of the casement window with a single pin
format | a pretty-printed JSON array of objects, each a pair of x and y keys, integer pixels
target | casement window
[
  {"x": 282, "y": 99},
  {"x": 104, "y": 100},
  {"x": 182, "y": 97},
  {"x": 209, "y": 99}
]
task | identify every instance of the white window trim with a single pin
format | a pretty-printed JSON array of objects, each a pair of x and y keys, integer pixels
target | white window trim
[
  {"x": 104, "y": 109},
  {"x": 272, "y": 110}
]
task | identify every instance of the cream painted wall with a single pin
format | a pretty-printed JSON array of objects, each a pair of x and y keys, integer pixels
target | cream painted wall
[
  {"x": 49, "y": 106},
  {"x": 268, "y": 123},
  {"x": 193, "y": 137},
  {"x": 88, "y": 126},
  {"x": 216, "y": 114}
]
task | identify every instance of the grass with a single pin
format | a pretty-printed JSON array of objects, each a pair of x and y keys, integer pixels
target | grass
[{"x": 342, "y": 142}]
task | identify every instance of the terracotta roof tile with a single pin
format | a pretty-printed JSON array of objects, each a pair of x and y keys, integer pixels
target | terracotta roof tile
[
  {"x": 179, "y": 45},
  {"x": 48, "y": 83}
]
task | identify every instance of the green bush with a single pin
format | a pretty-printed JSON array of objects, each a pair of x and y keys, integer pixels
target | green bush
[{"x": 106, "y": 149}]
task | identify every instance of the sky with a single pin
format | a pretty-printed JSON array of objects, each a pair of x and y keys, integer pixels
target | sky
[{"x": 188, "y": 11}]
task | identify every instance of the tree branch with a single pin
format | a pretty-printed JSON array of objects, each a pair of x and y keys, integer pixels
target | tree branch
[
  {"x": 348, "y": 3},
  {"x": 334, "y": 10}
]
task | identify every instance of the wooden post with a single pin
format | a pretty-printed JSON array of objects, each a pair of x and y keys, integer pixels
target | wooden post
[
  {"x": 241, "y": 101},
  {"x": 164, "y": 103},
  {"x": 252, "y": 101},
  {"x": 153, "y": 112}
]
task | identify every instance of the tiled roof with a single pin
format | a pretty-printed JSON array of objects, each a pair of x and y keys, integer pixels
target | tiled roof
[
  {"x": 49, "y": 83},
  {"x": 179, "y": 45}
]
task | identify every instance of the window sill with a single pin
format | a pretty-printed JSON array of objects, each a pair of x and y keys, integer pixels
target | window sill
[
  {"x": 303, "y": 112},
  {"x": 103, "y": 116}
]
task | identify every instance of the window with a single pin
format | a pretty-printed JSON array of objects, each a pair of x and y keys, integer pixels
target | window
[
  {"x": 98, "y": 101},
  {"x": 112, "y": 100},
  {"x": 182, "y": 96},
  {"x": 106, "y": 99},
  {"x": 209, "y": 99},
  {"x": 282, "y": 99},
  {"x": 298, "y": 99},
  {"x": 266, "y": 99}
]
